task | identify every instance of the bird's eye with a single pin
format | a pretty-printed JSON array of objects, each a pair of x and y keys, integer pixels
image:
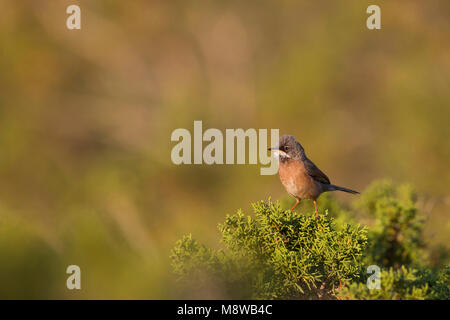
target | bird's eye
[{"x": 286, "y": 148}]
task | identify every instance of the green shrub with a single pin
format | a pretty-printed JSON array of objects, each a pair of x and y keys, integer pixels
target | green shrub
[
  {"x": 277, "y": 254},
  {"x": 395, "y": 238},
  {"x": 280, "y": 254},
  {"x": 404, "y": 284}
]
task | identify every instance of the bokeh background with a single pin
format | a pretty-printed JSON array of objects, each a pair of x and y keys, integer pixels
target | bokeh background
[{"x": 86, "y": 118}]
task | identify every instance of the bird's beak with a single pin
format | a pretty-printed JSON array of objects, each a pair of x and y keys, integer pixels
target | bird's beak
[{"x": 278, "y": 152}]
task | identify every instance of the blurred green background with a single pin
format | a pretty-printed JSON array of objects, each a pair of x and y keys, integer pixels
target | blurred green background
[{"x": 86, "y": 118}]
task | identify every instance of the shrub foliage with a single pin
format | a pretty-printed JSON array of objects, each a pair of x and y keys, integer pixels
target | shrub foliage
[{"x": 280, "y": 254}]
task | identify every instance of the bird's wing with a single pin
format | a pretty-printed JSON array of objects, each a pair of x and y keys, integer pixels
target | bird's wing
[{"x": 315, "y": 172}]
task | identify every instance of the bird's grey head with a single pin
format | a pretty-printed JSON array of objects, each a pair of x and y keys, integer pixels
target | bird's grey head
[{"x": 289, "y": 148}]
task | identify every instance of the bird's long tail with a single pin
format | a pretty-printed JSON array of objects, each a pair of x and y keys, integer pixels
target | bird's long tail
[{"x": 332, "y": 187}]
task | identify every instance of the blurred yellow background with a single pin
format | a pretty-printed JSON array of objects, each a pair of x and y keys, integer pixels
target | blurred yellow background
[{"x": 86, "y": 117}]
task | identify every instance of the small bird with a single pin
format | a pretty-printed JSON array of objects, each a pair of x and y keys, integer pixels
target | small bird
[{"x": 299, "y": 175}]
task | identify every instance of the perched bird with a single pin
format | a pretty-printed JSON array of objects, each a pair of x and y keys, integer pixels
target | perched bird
[{"x": 299, "y": 175}]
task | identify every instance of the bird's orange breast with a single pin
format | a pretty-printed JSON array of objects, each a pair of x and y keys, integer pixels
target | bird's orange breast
[{"x": 296, "y": 180}]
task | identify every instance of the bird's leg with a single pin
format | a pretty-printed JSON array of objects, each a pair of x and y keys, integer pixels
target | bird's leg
[
  {"x": 315, "y": 206},
  {"x": 298, "y": 201}
]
